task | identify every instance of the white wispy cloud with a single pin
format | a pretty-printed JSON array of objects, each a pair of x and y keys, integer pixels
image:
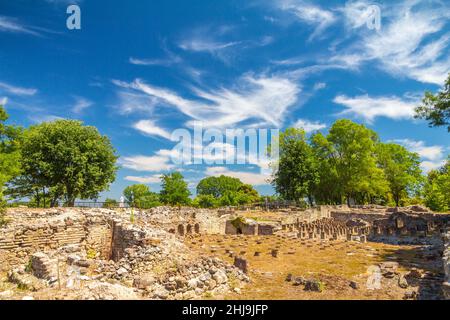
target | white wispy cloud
[
  {"x": 144, "y": 179},
  {"x": 212, "y": 40},
  {"x": 13, "y": 25},
  {"x": 369, "y": 108},
  {"x": 309, "y": 126},
  {"x": 320, "y": 19},
  {"x": 170, "y": 60},
  {"x": 263, "y": 99},
  {"x": 19, "y": 91},
  {"x": 153, "y": 163},
  {"x": 409, "y": 44},
  {"x": 149, "y": 127},
  {"x": 81, "y": 104},
  {"x": 320, "y": 86},
  {"x": 130, "y": 101},
  {"x": 38, "y": 118},
  {"x": 255, "y": 179},
  {"x": 3, "y": 101}
]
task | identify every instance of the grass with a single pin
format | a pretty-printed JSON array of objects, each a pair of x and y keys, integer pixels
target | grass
[{"x": 333, "y": 264}]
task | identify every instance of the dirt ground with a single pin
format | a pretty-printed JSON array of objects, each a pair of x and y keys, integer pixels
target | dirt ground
[{"x": 334, "y": 263}]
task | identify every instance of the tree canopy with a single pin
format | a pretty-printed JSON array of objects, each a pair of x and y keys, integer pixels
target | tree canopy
[
  {"x": 67, "y": 160},
  {"x": 297, "y": 172},
  {"x": 437, "y": 189},
  {"x": 401, "y": 168},
  {"x": 435, "y": 108},
  {"x": 10, "y": 141},
  {"x": 139, "y": 195},
  {"x": 350, "y": 164},
  {"x": 174, "y": 189},
  {"x": 224, "y": 191}
]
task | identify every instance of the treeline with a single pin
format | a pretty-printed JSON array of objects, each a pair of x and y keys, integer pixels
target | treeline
[
  {"x": 351, "y": 165},
  {"x": 212, "y": 192}
]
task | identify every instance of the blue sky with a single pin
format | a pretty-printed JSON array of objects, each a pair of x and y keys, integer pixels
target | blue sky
[{"x": 140, "y": 70}]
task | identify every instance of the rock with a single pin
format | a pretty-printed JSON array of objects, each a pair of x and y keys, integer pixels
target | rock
[
  {"x": 27, "y": 298},
  {"x": 143, "y": 282},
  {"x": 237, "y": 290},
  {"x": 122, "y": 271},
  {"x": 241, "y": 264},
  {"x": 389, "y": 265},
  {"x": 212, "y": 270},
  {"x": 161, "y": 293},
  {"x": 402, "y": 282},
  {"x": 193, "y": 283},
  {"x": 354, "y": 285},
  {"x": 180, "y": 282},
  {"x": 314, "y": 285},
  {"x": 220, "y": 277},
  {"x": 211, "y": 284},
  {"x": 414, "y": 273},
  {"x": 25, "y": 281},
  {"x": 299, "y": 281},
  {"x": 289, "y": 277},
  {"x": 6, "y": 294},
  {"x": 389, "y": 274},
  {"x": 410, "y": 294},
  {"x": 189, "y": 295}
]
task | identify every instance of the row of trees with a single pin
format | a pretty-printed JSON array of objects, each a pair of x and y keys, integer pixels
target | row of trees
[
  {"x": 351, "y": 164},
  {"x": 212, "y": 192}
]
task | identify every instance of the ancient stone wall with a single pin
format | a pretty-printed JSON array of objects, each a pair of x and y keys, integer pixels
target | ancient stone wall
[
  {"x": 446, "y": 263},
  {"x": 344, "y": 216},
  {"x": 407, "y": 224},
  {"x": 329, "y": 229},
  {"x": 26, "y": 235}
]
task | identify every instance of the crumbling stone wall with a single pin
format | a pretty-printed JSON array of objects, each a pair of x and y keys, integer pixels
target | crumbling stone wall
[
  {"x": 408, "y": 224},
  {"x": 446, "y": 264},
  {"x": 30, "y": 232},
  {"x": 329, "y": 229}
]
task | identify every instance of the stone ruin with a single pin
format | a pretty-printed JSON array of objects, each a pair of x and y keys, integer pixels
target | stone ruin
[
  {"x": 70, "y": 253},
  {"x": 99, "y": 254}
]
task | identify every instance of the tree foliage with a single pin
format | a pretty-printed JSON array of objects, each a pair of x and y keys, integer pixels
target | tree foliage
[
  {"x": 67, "y": 160},
  {"x": 437, "y": 189},
  {"x": 224, "y": 191},
  {"x": 139, "y": 195},
  {"x": 174, "y": 189},
  {"x": 436, "y": 108},
  {"x": 401, "y": 168},
  {"x": 349, "y": 164},
  {"x": 297, "y": 172},
  {"x": 10, "y": 141}
]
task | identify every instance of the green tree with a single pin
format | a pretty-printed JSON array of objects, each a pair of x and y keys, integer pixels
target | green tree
[
  {"x": 69, "y": 159},
  {"x": 348, "y": 156},
  {"x": 10, "y": 141},
  {"x": 437, "y": 189},
  {"x": 139, "y": 195},
  {"x": 205, "y": 201},
  {"x": 226, "y": 191},
  {"x": 297, "y": 172},
  {"x": 174, "y": 189},
  {"x": 401, "y": 168},
  {"x": 436, "y": 108},
  {"x": 217, "y": 186}
]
